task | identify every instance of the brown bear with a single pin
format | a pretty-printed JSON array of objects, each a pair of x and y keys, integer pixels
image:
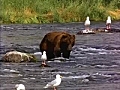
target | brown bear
[{"x": 55, "y": 43}]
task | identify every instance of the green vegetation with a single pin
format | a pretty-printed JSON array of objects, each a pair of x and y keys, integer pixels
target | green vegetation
[{"x": 52, "y": 11}]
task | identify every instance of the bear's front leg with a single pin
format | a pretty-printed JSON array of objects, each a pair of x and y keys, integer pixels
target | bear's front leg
[
  {"x": 50, "y": 55},
  {"x": 66, "y": 54},
  {"x": 57, "y": 54}
]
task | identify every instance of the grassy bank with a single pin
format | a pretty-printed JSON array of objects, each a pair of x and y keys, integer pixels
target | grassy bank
[{"x": 51, "y": 11}]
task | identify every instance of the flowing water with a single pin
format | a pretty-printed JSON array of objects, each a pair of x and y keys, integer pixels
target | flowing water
[{"x": 94, "y": 62}]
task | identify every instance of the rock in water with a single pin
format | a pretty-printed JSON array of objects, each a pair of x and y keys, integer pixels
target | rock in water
[{"x": 16, "y": 56}]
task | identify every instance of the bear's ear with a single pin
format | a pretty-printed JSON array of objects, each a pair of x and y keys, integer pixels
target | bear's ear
[{"x": 64, "y": 36}]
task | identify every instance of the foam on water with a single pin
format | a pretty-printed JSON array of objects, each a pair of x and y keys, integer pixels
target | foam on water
[
  {"x": 62, "y": 72},
  {"x": 11, "y": 75},
  {"x": 10, "y": 70},
  {"x": 106, "y": 66},
  {"x": 92, "y": 51},
  {"x": 37, "y": 53},
  {"x": 76, "y": 77}
]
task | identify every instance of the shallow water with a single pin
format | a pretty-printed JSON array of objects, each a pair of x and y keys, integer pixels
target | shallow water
[{"x": 95, "y": 55}]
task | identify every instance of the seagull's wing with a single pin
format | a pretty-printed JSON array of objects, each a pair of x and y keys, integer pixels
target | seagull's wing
[{"x": 50, "y": 84}]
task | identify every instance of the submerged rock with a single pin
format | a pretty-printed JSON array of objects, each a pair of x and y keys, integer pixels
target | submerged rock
[
  {"x": 82, "y": 32},
  {"x": 111, "y": 30},
  {"x": 98, "y": 30},
  {"x": 44, "y": 65},
  {"x": 16, "y": 56}
]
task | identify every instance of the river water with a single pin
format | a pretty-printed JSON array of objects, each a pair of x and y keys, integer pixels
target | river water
[{"x": 96, "y": 56}]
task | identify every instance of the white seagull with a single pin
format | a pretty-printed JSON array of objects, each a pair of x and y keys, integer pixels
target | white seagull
[
  {"x": 87, "y": 25},
  {"x": 20, "y": 87},
  {"x": 108, "y": 22},
  {"x": 87, "y": 22},
  {"x": 44, "y": 58},
  {"x": 54, "y": 83}
]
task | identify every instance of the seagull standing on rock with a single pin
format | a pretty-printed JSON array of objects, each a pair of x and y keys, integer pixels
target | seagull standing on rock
[
  {"x": 54, "y": 83},
  {"x": 87, "y": 26},
  {"x": 108, "y": 23}
]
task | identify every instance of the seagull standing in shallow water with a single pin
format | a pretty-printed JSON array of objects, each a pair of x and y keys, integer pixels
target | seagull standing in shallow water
[
  {"x": 44, "y": 57},
  {"x": 108, "y": 23},
  {"x": 87, "y": 25},
  {"x": 54, "y": 83},
  {"x": 20, "y": 87}
]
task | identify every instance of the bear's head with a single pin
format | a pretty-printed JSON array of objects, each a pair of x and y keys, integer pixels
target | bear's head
[
  {"x": 64, "y": 41},
  {"x": 67, "y": 42}
]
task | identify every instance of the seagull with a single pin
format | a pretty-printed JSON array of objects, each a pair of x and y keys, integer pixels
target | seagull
[
  {"x": 54, "y": 83},
  {"x": 20, "y": 87},
  {"x": 87, "y": 24},
  {"x": 108, "y": 23},
  {"x": 44, "y": 57}
]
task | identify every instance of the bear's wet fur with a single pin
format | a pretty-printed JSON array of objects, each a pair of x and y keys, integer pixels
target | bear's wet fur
[{"x": 55, "y": 43}]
